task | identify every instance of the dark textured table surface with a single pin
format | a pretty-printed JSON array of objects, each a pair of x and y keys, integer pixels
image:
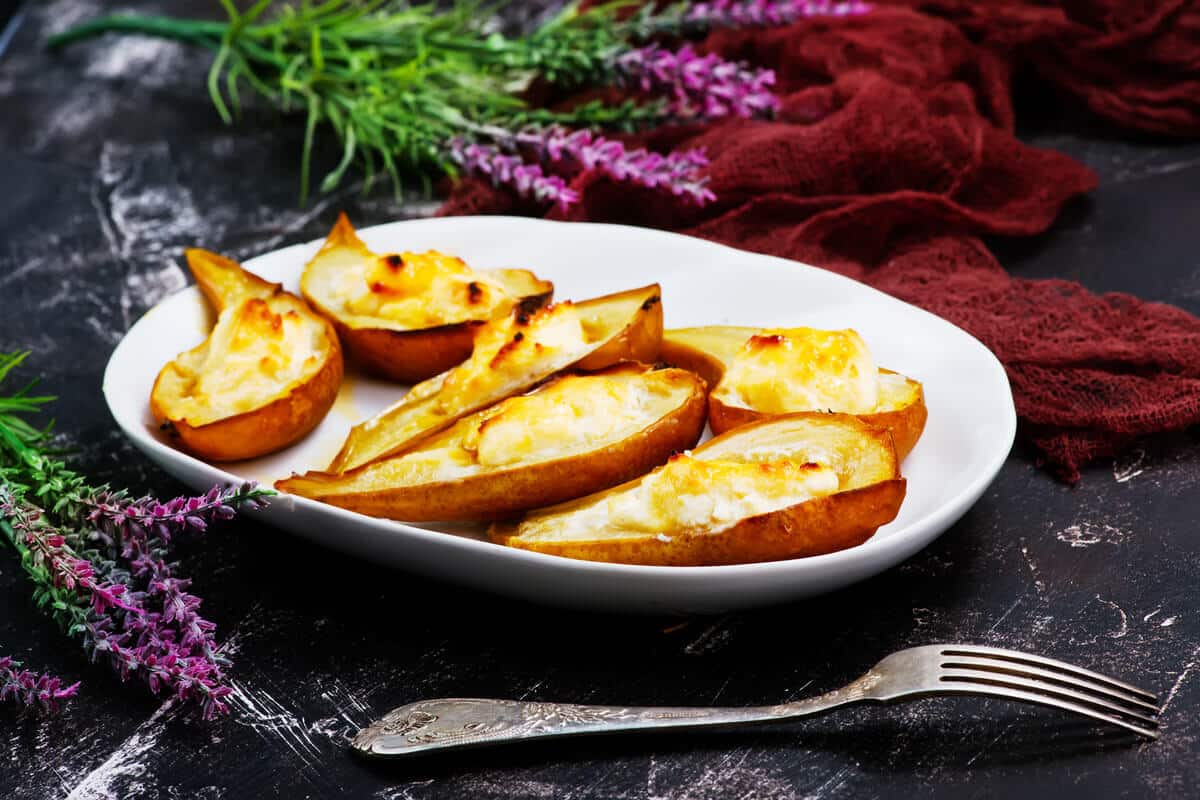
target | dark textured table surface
[{"x": 111, "y": 161}]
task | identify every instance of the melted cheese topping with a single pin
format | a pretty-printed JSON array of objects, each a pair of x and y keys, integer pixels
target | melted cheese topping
[
  {"x": 693, "y": 495},
  {"x": 258, "y": 350},
  {"x": 577, "y": 413},
  {"x": 802, "y": 369},
  {"x": 574, "y": 414},
  {"x": 422, "y": 290},
  {"x": 505, "y": 348}
]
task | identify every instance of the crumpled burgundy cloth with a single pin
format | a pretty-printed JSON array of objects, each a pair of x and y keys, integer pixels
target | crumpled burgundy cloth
[{"x": 894, "y": 153}]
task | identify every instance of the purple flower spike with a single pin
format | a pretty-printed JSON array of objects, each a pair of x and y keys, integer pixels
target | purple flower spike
[
  {"x": 31, "y": 689},
  {"x": 767, "y": 13},
  {"x": 678, "y": 173},
  {"x": 155, "y": 635},
  {"x": 133, "y": 522},
  {"x": 529, "y": 180},
  {"x": 698, "y": 86},
  {"x": 47, "y": 548}
]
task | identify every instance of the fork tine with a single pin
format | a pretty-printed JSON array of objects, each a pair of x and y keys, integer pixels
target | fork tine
[
  {"x": 1045, "y": 700},
  {"x": 1055, "y": 679},
  {"x": 1051, "y": 664},
  {"x": 1027, "y": 688}
]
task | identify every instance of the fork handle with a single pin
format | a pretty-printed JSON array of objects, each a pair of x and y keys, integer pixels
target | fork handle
[{"x": 471, "y": 722}]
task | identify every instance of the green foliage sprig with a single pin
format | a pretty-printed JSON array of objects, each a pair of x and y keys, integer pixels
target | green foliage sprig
[
  {"x": 393, "y": 82},
  {"x": 417, "y": 89}
]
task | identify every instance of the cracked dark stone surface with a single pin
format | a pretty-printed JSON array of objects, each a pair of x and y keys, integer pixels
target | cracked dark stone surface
[{"x": 111, "y": 161}]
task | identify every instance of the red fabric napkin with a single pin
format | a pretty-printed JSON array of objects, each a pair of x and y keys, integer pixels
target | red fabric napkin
[{"x": 894, "y": 152}]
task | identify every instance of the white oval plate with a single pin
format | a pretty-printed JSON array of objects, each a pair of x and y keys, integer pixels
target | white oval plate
[{"x": 969, "y": 433}]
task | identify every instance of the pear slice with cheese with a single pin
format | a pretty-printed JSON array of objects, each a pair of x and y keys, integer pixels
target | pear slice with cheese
[
  {"x": 783, "y": 487},
  {"x": 755, "y": 373},
  {"x": 408, "y": 316},
  {"x": 265, "y": 376},
  {"x": 511, "y": 355},
  {"x": 577, "y": 434}
]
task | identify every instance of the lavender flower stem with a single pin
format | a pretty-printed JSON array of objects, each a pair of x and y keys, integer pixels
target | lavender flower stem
[
  {"x": 171, "y": 649},
  {"x": 133, "y": 521},
  {"x": 28, "y": 688},
  {"x": 98, "y": 562},
  {"x": 579, "y": 150},
  {"x": 529, "y": 180},
  {"x": 703, "y": 16},
  {"x": 697, "y": 86}
]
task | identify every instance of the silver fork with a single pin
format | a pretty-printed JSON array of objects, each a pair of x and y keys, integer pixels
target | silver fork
[{"x": 931, "y": 671}]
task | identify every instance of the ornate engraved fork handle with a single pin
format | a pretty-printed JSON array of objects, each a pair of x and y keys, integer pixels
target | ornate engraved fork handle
[{"x": 469, "y": 722}]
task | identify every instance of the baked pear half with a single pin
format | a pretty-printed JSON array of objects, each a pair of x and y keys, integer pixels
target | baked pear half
[
  {"x": 754, "y": 373},
  {"x": 574, "y": 435},
  {"x": 409, "y": 316},
  {"x": 784, "y": 487},
  {"x": 265, "y": 376},
  {"x": 512, "y": 355}
]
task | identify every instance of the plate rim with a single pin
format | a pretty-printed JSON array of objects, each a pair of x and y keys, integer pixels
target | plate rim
[{"x": 941, "y": 518}]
